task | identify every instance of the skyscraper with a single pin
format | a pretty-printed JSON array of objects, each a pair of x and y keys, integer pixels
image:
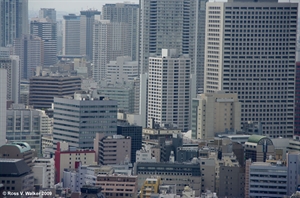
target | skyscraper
[
  {"x": 125, "y": 13},
  {"x": 173, "y": 24},
  {"x": 71, "y": 35},
  {"x": 87, "y": 19},
  {"x": 250, "y": 49},
  {"x": 12, "y": 66},
  {"x": 3, "y": 91},
  {"x": 30, "y": 49},
  {"x": 13, "y": 20},
  {"x": 49, "y": 13},
  {"x": 169, "y": 89},
  {"x": 46, "y": 30}
]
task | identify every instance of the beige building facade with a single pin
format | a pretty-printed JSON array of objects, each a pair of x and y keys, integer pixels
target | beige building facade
[{"x": 215, "y": 113}]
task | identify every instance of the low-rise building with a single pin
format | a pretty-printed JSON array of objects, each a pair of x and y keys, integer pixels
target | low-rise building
[
  {"x": 71, "y": 158},
  {"x": 150, "y": 186},
  {"x": 16, "y": 176},
  {"x": 43, "y": 172},
  {"x": 118, "y": 185}
]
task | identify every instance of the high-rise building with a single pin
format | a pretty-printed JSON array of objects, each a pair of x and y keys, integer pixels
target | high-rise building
[
  {"x": 125, "y": 13},
  {"x": 297, "y": 101},
  {"x": 49, "y": 13},
  {"x": 84, "y": 115},
  {"x": 169, "y": 89},
  {"x": 30, "y": 50},
  {"x": 13, "y": 20},
  {"x": 213, "y": 113},
  {"x": 43, "y": 89},
  {"x": 168, "y": 24},
  {"x": 46, "y": 29},
  {"x": 87, "y": 19},
  {"x": 250, "y": 49},
  {"x": 71, "y": 35},
  {"x": 12, "y": 65},
  {"x": 3, "y": 98},
  {"x": 111, "y": 40}
]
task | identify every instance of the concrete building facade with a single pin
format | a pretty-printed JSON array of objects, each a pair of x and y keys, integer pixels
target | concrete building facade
[
  {"x": 118, "y": 185},
  {"x": 12, "y": 66},
  {"x": 169, "y": 89},
  {"x": 259, "y": 148},
  {"x": 13, "y": 20},
  {"x": 215, "y": 113},
  {"x": 43, "y": 172},
  {"x": 43, "y": 89},
  {"x": 78, "y": 119},
  {"x": 3, "y": 99},
  {"x": 46, "y": 29},
  {"x": 179, "y": 25},
  {"x": 247, "y": 57},
  {"x": 30, "y": 50},
  {"x": 87, "y": 19},
  {"x": 71, "y": 35}
]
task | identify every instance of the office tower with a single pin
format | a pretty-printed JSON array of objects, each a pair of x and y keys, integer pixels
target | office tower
[
  {"x": 46, "y": 30},
  {"x": 128, "y": 14},
  {"x": 255, "y": 57},
  {"x": 215, "y": 113},
  {"x": 49, "y": 13},
  {"x": 180, "y": 25},
  {"x": 297, "y": 101},
  {"x": 169, "y": 89},
  {"x": 59, "y": 37},
  {"x": 26, "y": 124},
  {"x": 30, "y": 50},
  {"x": 110, "y": 41},
  {"x": 12, "y": 66},
  {"x": 3, "y": 98},
  {"x": 90, "y": 114},
  {"x": 71, "y": 35},
  {"x": 5, "y": 52},
  {"x": 43, "y": 89},
  {"x": 135, "y": 132},
  {"x": 123, "y": 69},
  {"x": 87, "y": 19},
  {"x": 13, "y": 20}
]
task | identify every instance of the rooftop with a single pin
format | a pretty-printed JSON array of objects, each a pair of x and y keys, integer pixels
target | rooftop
[
  {"x": 14, "y": 167},
  {"x": 255, "y": 138},
  {"x": 23, "y": 146}
]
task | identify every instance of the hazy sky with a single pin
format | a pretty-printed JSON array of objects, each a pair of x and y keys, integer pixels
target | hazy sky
[{"x": 72, "y": 5}]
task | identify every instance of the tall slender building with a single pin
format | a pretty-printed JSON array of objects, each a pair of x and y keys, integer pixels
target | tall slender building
[
  {"x": 49, "y": 13},
  {"x": 13, "y": 20},
  {"x": 173, "y": 24},
  {"x": 250, "y": 49},
  {"x": 87, "y": 19},
  {"x": 46, "y": 30},
  {"x": 3, "y": 91},
  {"x": 12, "y": 66},
  {"x": 71, "y": 35},
  {"x": 169, "y": 89},
  {"x": 125, "y": 13},
  {"x": 30, "y": 49}
]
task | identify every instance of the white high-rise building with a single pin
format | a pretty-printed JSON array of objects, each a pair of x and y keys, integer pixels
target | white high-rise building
[
  {"x": 3, "y": 91},
  {"x": 169, "y": 24},
  {"x": 46, "y": 29},
  {"x": 169, "y": 89},
  {"x": 12, "y": 65},
  {"x": 71, "y": 35},
  {"x": 250, "y": 49},
  {"x": 13, "y": 20}
]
